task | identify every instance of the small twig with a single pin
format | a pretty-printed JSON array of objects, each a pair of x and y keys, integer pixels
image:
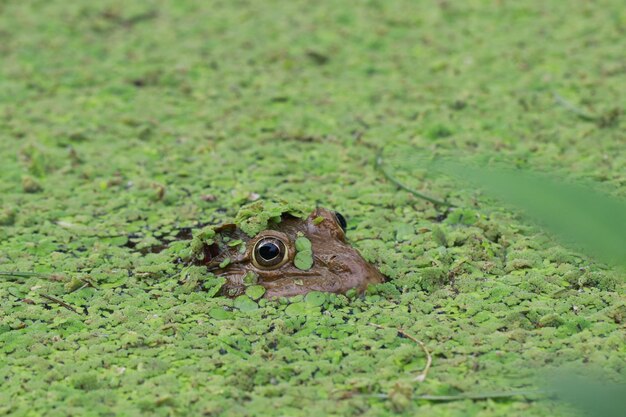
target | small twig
[
  {"x": 17, "y": 274},
  {"x": 429, "y": 359},
  {"x": 21, "y": 274},
  {"x": 469, "y": 396},
  {"x": 60, "y": 302},
  {"x": 9, "y": 290},
  {"x": 391, "y": 178},
  {"x": 567, "y": 105},
  {"x": 478, "y": 396}
]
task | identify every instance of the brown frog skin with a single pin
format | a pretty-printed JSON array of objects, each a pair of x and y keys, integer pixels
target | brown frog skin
[{"x": 337, "y": 267}]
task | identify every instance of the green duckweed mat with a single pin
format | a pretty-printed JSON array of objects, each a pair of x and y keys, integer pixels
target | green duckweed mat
[{"x": 122, "y": 122}]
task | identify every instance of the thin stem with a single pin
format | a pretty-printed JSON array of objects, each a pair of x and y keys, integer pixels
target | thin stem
[
  {"x": 17, "y": 274},
  {"x": 396, "y": 182},
  {"x": 567, "y": 105},
  {"x": 478, "y": 396},
  {"x": 429, "y": 359},
  {"x": 60, "y": 302}
]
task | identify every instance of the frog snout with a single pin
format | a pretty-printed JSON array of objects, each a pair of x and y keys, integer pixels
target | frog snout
[
  {"x": 337, "y": 264},
  {"x": 344, "y": 263}
]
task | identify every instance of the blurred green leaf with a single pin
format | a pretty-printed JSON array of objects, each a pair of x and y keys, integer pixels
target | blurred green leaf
[
  {"x": 580, "y": 216},
  {"x": 593, "y": 396}
]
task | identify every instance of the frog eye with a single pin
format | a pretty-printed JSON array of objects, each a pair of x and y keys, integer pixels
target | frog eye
[
  {"x": 269, "y": 253},
  {"x": 341, "y": 220}
]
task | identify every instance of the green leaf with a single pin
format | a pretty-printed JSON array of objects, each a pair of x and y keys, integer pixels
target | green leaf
[
  {"x": 220, "y": 314},
  {"x": 250, "y": 278},
  {"x": 462, "y": 216},
  {"x": 296, "y": 309},
  {"x": 303, "y": 244},
  {"x": 245, "y": 303},
  {"x": 304, "y": 255},
  {"x": 303, "y": 260},
  {"x": 73, "y": 285},
  {"x": 213, "y": 285},
  {"x": 114, "y": 283},
  {"x": 255, "y": 292},
  {"x": 315, "y": 298},
  {"x": 256, "y": 216},
  {"x": 115, "y": 240}
]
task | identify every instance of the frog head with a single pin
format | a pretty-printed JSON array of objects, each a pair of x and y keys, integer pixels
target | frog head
[{"x": 291, "y": 255}]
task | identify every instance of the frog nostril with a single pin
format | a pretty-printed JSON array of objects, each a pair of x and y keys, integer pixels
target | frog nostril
[
  {"x": 326, "y": 259},
  {"x": 336, "y": 264}
]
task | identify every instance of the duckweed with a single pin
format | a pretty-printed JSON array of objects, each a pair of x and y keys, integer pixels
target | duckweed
[{"x": 124, "y": 125}]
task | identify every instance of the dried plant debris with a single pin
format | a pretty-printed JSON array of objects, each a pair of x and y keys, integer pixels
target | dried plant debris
[{"x": 129, "y": 131}]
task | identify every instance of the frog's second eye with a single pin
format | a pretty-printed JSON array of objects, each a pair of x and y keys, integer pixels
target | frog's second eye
[
  {"x": 341, "y": 220},
  {"x": 269, "y": 252}
]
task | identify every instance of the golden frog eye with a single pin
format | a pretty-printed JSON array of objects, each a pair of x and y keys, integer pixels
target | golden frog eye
[{"x": 269, "y": 253}]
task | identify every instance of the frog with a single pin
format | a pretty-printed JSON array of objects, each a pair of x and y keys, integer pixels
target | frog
[{"x": 292, "y": 255}]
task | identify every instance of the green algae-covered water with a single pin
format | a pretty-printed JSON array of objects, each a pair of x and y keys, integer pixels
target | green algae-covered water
[{"x": 123, "y": 122}]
